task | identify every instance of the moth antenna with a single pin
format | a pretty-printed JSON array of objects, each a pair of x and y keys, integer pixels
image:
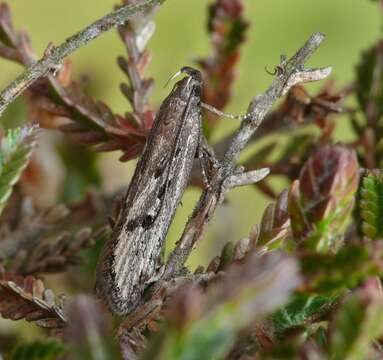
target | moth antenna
[
  {"x": 271, "y": 72},
  {"x": 178, "y": 73},
  {"x": 214, "y": 110},
  {"x": 189, "y": 71}
]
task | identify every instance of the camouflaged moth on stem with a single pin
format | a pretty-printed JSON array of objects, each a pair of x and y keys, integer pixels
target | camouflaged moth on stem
[{"x": 131, "y": 258}]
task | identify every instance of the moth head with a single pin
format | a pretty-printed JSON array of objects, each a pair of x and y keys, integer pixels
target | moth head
[
  {"x": 194, "y": 73},
  {"x": 189, "y": 71}
]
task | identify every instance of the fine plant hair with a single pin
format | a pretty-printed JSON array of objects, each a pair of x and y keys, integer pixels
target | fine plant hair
[{"x": 305, "y": 283}]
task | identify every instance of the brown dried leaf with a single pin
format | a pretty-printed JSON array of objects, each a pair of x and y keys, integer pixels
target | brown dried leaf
[
  {"x": 135, "y": 35},
  {"x": 44, "y": 242},
  {"x": 275, "y": 223},
  {"x": 56, "y": 256},
  {"x": 27, "y": 298}
]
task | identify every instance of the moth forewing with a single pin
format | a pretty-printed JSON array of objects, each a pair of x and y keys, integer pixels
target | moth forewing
[{"x": 131, "y": 258}]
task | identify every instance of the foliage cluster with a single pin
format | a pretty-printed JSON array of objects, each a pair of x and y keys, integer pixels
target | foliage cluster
[{"x": 304, "y": 284}]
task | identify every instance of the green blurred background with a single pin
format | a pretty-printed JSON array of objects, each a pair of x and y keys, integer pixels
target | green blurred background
[{"x": 277, "y": 26}]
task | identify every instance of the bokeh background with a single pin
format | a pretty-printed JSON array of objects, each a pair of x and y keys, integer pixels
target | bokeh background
[{"x": 277, "y": 26}]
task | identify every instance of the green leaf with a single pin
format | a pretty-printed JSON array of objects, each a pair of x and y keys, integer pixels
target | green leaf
[
  {"x": 38, "y": 350},
  {"x": 370, "y": 205},
  {"x": 359, "y": 321},
  {"x": 370, "y": 81},
  {"x": 369, "y": 91},
  {"x": 226, "y": 255},
  {"x": 320, "y": 337},
  {"x": 15, "y": 151},
  {"x": 331, "y": 274},
  {"x": 302, "y": 308}
]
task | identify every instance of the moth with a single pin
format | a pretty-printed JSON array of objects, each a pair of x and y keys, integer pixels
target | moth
[{"x": 131, "y": 257}]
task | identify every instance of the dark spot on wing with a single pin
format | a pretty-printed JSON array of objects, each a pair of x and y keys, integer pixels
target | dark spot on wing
[
  {"x": 158, "y": 172},
  {"x": 147, "y": 222},
  {"x": 132, "y": 224},
  {"x": 178, "y": 151}
]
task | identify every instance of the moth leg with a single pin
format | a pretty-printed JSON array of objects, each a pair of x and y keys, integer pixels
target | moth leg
[
  {"x": 156, "y": 276},
  {"x": 208, "y": 162},
  {"x": 202, "y": 162},
  {"x": 215, "y": 111}
]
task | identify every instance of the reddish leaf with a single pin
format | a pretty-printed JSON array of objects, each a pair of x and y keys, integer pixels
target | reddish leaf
[
  {"x": 27, "y": 298},
  {"x": 323, "y": 197},
  {"x": 227, "y": 29}
]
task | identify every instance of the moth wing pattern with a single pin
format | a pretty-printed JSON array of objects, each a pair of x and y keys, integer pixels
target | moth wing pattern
[{"x": 131, "y": 257}]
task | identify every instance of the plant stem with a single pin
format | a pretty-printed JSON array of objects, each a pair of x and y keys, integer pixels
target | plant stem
[
  {"x": 289, "y": 73},
  {"x": 53, "y": 57}
]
